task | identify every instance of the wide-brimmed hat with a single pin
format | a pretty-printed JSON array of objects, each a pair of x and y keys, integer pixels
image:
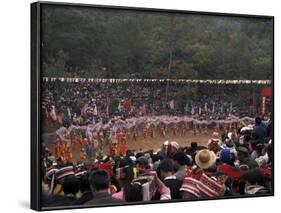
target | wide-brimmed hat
[{"x": 205, "y": 158}]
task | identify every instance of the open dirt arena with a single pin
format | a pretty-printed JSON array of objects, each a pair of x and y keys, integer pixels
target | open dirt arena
[{"x": 144, "y": 144}]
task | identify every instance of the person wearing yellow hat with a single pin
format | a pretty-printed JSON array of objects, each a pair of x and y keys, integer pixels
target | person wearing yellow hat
[{"x": 205, "y": 158}]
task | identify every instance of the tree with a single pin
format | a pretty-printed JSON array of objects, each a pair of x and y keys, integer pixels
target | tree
[{"x": 106, "y": 43}]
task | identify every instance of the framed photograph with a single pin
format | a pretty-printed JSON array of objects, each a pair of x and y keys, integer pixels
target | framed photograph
[{"x": 139, "y": 106}]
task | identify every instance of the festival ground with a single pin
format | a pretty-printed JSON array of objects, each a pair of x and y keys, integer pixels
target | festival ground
[{"x": 145, "y": 143}]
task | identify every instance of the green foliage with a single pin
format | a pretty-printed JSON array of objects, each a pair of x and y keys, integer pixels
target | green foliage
[
  {"x": 106, "y": 43},
  {"x": 57, "y": 66}
]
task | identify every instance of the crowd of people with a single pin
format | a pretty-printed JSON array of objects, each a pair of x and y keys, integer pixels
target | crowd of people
[
  {"x": 235, "y": 163},
  {"x": 86, "y": 103}
]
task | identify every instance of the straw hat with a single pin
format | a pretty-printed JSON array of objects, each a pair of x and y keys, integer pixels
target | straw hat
[{"x": 205, "y": 158}]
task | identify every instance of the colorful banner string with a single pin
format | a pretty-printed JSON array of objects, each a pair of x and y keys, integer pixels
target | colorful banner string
[{"x": 119, "y": 80}]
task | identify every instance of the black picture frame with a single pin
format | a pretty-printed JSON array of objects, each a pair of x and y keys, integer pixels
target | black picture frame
[{"x": 36, "y": 78}]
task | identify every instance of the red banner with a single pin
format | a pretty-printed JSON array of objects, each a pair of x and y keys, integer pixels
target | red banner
[{"x": 266, "y": 92}]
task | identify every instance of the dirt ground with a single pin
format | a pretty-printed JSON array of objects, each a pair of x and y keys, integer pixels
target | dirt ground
[{"x": 152, "y": 143}]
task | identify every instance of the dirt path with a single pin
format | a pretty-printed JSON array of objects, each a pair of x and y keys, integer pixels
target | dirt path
[{"x": 152, "y": 143}]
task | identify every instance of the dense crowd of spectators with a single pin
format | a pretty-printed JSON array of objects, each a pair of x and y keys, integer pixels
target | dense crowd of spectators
[
  {"x": 234, "y": 164},
  {"x": 88, "y": 103}
]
